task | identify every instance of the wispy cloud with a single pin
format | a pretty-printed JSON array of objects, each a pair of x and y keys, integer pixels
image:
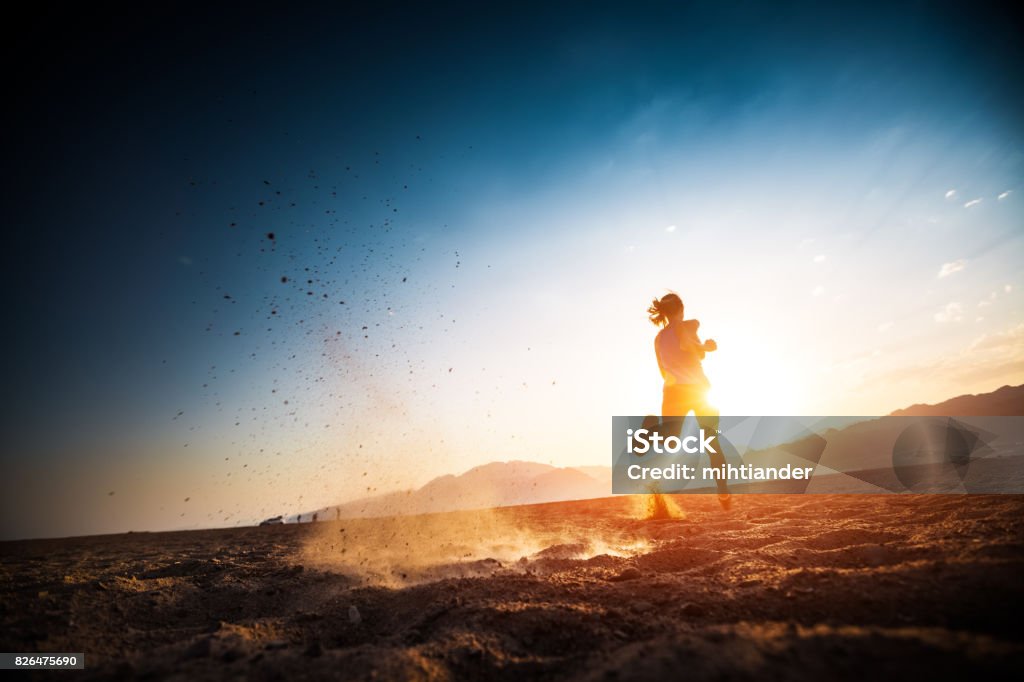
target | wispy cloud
[
  {"x": 972, "y": 202},
  {"x": 950, "y": 194},
  {"x": 670, "y": 228},
  {"x": 990, "y": 360},
  {"x": 948, "y": 269},
  {"x": 1010, "y": 340},
  {"x": 884, "y": 327},
  {"x": 1005, "y": 194},
  {"x": 953, "y": 312},
  {"x": 820, "y": 258},
  {"x": 818, "y": 291}
]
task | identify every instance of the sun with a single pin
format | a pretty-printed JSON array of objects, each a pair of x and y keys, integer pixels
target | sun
[{"x": 752, "y": 381}]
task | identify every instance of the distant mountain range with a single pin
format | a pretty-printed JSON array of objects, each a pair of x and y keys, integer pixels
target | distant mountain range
[
  {"x": 864, "y": 450},
  {"x": 502, "y": 484},
  {"x": 1007, "y": 401},
  {"x": 497, "y": 484}
]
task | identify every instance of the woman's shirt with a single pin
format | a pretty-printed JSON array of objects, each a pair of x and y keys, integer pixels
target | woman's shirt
[{"x": 679, "y": 354}]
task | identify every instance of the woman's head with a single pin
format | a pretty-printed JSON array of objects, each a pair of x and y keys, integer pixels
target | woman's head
[{"x": 665, "y": 309}]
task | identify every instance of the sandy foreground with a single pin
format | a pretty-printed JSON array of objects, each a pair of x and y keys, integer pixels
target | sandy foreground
[{"x": 780, "y": 587}]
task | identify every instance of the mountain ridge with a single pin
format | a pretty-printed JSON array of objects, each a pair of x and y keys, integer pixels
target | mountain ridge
[
  {"x": 1006, "y": 401},
  {"x": 515, "y": 482}
]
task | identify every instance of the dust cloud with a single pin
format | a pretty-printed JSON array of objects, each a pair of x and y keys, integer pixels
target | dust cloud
[{"x": 403, "y": 550}]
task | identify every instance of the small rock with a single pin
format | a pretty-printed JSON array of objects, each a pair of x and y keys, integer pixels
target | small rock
[
  {"x": 314, "y": 650},
  {"x": 276, "y": 644},
  {"x": 353, "y": 616},
  {"x": 629, "y": 573},
  {"x": 692, "y": 610}
]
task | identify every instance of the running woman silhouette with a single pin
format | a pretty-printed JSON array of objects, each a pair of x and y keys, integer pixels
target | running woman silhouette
[{"x": 680, "y": 352}]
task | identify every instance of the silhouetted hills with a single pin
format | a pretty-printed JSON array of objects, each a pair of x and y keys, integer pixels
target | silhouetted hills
[
  {"x": 860, "y": 446},
  {"x": 497, "y": 484},
  {"x": 1007, "y": 401}
]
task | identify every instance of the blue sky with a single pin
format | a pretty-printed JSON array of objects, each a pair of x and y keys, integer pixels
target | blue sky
[{"x": 472, "y": 207}]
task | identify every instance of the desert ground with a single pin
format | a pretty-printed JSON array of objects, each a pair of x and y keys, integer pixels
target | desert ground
[{"x": 779, "y": 587}]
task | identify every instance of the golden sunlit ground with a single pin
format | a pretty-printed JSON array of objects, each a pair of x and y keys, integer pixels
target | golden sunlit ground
[{"x": 795, "y": 587}]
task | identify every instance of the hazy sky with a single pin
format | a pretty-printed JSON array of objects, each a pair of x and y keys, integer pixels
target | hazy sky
[{"x": 470, "y": 209}]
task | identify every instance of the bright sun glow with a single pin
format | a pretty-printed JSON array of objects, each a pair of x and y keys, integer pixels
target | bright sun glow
[{"x": 742, "y": 383}]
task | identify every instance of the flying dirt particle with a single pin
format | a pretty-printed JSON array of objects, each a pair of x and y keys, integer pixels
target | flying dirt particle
[
  {"x": 238, "y": 333},
  {"x": 187, "y": 499},
  {"x": 284, "y": 280},
  {"x": 110, "y": 494},
  {"x": 270, "y": 236}
]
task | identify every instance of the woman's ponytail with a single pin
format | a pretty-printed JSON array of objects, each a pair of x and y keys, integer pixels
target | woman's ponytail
[{"x": 662, "y": 310}]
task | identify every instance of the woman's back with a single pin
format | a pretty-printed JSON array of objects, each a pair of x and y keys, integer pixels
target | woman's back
[{"x": 679, "y": 354}]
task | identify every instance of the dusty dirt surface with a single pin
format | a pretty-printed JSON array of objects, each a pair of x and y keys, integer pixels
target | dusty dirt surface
[{"x": 780, "y": 587}]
